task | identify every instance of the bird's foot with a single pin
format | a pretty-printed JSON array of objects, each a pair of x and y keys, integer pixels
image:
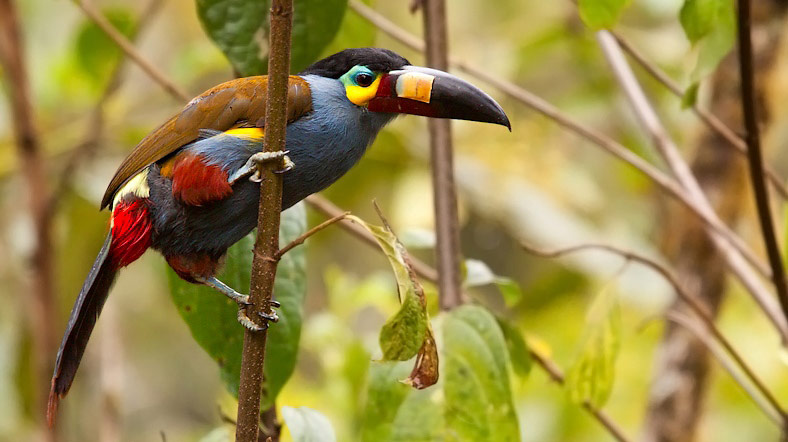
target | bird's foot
[
  {"x": 247, "y": 322},
  {"x": 252, "y": 170}
]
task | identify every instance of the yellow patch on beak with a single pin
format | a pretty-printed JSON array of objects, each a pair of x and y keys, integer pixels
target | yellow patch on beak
[
  {"x": 415, "y": 86},
  {"x": 360, "y": 96}
]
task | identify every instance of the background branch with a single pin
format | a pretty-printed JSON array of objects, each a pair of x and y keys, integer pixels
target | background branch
[
  {"x": 755, "y": 157},
  {"x": 707, "y": 117},
  {"x": 699, "y": 310},
  {"x": 327, "y": 208},
  {"x": 447, "y": 226},
  {"x": 670, "y": 153},
  {"x": 267, "y": 241},
  {"x": 737, "y": 263},
  {"x": 41, "y": 315}
]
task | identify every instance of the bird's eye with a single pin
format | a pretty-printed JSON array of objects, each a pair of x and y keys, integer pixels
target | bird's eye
[{"x": 364, "y": 79}]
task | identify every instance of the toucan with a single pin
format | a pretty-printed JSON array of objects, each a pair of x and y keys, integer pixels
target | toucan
[{"x": 190, "y": 189}]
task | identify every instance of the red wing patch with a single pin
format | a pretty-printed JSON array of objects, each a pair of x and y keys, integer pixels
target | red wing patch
[
  {"x": 196, "y": 183},
  {"x": 131, "y": 232}
]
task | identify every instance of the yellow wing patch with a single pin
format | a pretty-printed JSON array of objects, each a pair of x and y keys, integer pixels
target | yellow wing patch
[{"x": 254, "y": 133}]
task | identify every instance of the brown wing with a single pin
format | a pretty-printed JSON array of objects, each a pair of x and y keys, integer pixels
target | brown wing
[{"x": 218, "y": 108}]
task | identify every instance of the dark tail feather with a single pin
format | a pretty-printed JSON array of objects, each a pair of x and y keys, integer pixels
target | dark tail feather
[{"x": 83, "y": 318}]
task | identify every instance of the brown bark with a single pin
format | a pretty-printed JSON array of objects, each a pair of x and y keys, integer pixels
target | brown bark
[
  {"x": 41, "y": 312},
  {"x": 447, "y": 226},
  {"x": 682, "y": 364},
  {"x": 267, "y": 242}
]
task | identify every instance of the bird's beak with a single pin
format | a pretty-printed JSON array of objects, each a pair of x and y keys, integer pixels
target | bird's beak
[{"x": 432, "y": 93}]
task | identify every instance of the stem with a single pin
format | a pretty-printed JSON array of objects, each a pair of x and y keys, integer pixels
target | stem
[
  {"x": 699, "y": 310},
  {"x": 444, "y": 190},
  {"x": 267, "y": 241},
  {"x": 707, "y": 117},
  {"x": 727, "y": 246},
  {"x": 755, "y": 157},
  {"x": 41, "y": 307},
  {"x": 557, "y": 376},
  {"x": 128, "y": 48},
  {"x": 430, "y": 274},
  {"x": 303, "y": 237}
]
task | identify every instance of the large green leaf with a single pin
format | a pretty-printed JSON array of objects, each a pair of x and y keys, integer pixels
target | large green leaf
[
  {"x": 211, "y": 316},
  {"x": 471, "y": 402},
  {"x": 601, "y": 14},
  {"x": 402, "y": 336},
  {"x": 476, "y": 377},
  {"x": 240, "y": 29},
  {"x": 591, "y": 376},
  {"x": 308, "y": 425},
  {"x": 385, "y": 395}
]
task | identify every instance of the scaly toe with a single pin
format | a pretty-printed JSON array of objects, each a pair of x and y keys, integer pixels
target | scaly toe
[{"x": 245, "y": 321}]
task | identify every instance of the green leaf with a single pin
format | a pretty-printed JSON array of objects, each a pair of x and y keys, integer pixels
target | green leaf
[
  {"x": 591, "y": 376},
  {"x": 240, "y": 29},
  {"x": 307, "y": 425},
  {"x": 211, "y": 316},
  {"x": 690, "y": 96},
  {"x": 710, "y": 25},
  {"x": 403, "y": 334},
  {"x": 96, "y": 53},
  {"x": 385, "y": 395},
  {"x": 518, "y": 349},
  {"x": 476, "y": 377},
  {"x": 601, "y": 14}
]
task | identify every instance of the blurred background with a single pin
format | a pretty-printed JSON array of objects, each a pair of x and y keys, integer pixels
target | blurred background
[{"x": 144, "y": 378}]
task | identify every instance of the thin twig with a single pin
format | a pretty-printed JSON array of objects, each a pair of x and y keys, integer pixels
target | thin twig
[
  {"x": 328, "y": 209},
  {"x": 727, "y": 246},
  {"x": 611, "y": 146},
  {"x": 269, "y": 213},
  {"x": 127, "y": 47},
  {"x": 691, "y": 301},
  {"x": 84, "y": 150},
  {"x": 668, "y": 184},
  {"x": 300, "y": 240},
  {"x": 557, "y": 376},
  {"x": 447, "y": 226},
  {"x": 707, "y": 117},
  {"x": 695, "y": 328},
  {"x": 755, "y": 157}
]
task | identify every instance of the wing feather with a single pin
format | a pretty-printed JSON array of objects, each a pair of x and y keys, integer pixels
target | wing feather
[{"x": 218, "y": 108}]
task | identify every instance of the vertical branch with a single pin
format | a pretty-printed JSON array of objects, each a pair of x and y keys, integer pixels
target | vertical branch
[
  {"x": 267, "y": 241},
  {"x": 18, "y": 89},
  {"x": 755, "y": 157},
  {"x": 444, "y": 191}
]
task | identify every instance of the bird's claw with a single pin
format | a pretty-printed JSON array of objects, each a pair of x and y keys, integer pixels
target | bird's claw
[
  {"x": 263, "y": 157},
  {"x": 252, "y": 170},
  {"x": 268, "y": 316},
  {"x": 289, "y": 165},
  {"x": 247, "y": 322}
]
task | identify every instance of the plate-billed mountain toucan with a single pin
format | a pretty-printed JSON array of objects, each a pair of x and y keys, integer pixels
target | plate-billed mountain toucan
[{"x": 189, "y": 189}]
